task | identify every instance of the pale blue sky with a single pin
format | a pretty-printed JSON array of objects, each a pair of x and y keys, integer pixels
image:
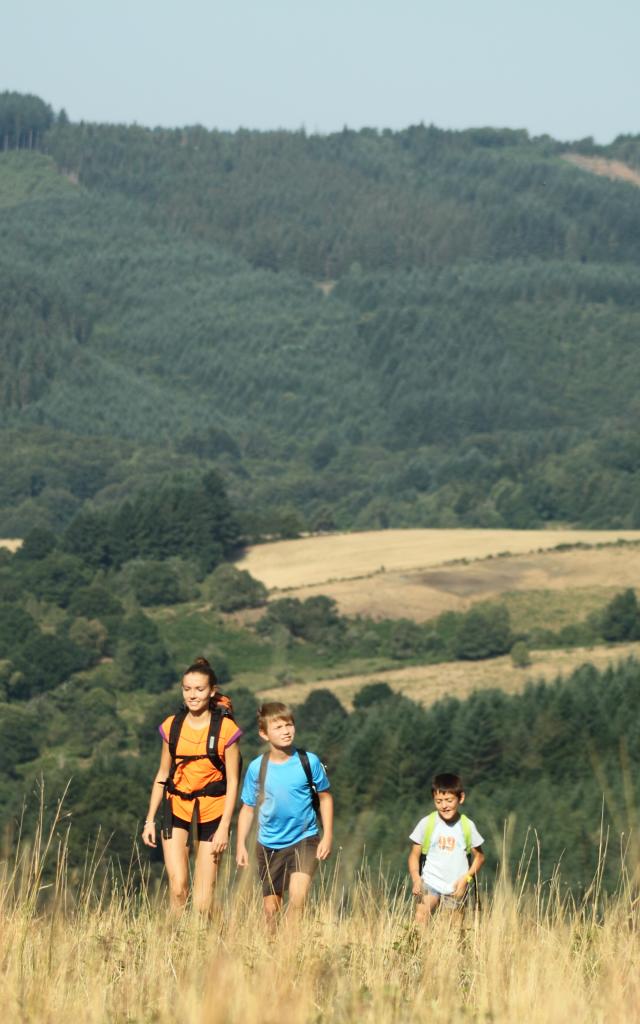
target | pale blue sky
[{"x": 568, "y": 68}]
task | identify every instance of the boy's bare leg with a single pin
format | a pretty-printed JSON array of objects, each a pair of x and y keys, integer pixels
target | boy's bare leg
[
  {"x": 425, "y": 907},
  {"x": 272, "y": 907},
  {"x": 299, "y": 885}
]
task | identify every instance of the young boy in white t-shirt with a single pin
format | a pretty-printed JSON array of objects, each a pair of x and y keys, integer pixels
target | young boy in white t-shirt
[{"x": 452, "y": 849}]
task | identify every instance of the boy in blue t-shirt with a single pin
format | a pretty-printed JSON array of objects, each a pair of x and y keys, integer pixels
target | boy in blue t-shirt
[{"x": 289, "y": 845}]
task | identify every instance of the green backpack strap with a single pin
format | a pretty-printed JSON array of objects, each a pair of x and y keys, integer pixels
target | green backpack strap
[
  {"x": 466, "y": 832},
  {"x": 431, "y": 824},
  {"x": 428, "y": 832}
]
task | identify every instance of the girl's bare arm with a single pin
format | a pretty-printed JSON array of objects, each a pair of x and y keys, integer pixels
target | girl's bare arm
[
  {"x": 161, "y": 776},
  {"x": 245, "y": 819},
  {"x": 220, "y": 840}
]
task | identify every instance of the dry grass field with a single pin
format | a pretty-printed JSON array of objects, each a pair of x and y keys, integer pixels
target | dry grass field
[
  {"x": 104, "y": 954},
  {"x": 290, "y": 564},
  {"x": 11, "y": 544},
  {"x": 418, "y": 574},
  {"x": 426, "y": 684}
]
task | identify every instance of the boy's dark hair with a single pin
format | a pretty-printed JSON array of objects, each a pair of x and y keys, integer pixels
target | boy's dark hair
[
  {"x": 273, "y": 709},
  {"x": 447, "y": 783}
]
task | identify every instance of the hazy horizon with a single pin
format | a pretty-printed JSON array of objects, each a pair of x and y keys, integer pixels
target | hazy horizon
[{"x": 559, "y": 69}]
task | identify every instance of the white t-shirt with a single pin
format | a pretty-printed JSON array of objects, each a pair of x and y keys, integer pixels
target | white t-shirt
[{"x": 447, "y": 857}]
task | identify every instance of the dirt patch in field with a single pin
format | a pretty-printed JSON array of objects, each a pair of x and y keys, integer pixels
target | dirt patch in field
[
  {"x": 614, "y": 169},
  {"x": 426, "y": 684},
  {"x": 424, "y": 594},
  {"x": 11, "y": 543}
]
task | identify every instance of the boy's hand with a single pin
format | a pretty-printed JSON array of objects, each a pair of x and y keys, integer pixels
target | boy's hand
[
  {"x": 416, "y": 889},
  {"x": 460, "y": 888},
  {"x": 324, "y": 848},
  {"x": 242, "y": 856}
]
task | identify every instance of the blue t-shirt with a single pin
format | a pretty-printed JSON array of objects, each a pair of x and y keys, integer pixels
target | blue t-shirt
[{"x": 286, "y": 815}]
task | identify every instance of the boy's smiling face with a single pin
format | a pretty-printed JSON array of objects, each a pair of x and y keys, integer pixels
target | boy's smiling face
[{"x": 447, "y": 804}]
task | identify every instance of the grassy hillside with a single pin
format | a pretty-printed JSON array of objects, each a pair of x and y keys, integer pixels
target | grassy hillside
[
  {"x": 92, "y": 632},
  {"x": 359, "y": 331}
]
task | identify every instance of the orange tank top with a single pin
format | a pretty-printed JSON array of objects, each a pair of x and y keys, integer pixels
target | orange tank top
[{"x": 196, "y": 774}]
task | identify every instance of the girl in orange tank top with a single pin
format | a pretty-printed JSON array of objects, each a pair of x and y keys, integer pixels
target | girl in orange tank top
[{"x": 191, "y": 784}]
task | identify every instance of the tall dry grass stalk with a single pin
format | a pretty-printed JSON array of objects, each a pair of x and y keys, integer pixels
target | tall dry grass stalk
[{"x": 107, "y": 951}]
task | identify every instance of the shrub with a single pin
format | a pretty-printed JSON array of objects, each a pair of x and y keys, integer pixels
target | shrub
[
  {"x": 16, "y": 626},
  {"x": 484, "y": 632},
  {"x": 95, "y": 602},
  {"x": 372, "y": 693},
  {"x": 55, "y": 577},
  {"x": 621, "y": 618},
  {"x": 90, "y": 635},
  {"x": 154, "y": 583},
  {"x": 18, "y": 734},
  {"x": 520, "y": 656},
  {"x": 315, "y": 619},
  {"x": 44, "y": 661},
  {"x": 231, "y": 589},
  {"x": 37, "y": 544},
  {"x": 142, "y": 657}
]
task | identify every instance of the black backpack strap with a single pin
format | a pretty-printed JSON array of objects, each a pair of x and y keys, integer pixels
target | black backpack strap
[
  {"x": 172, "y": 741},
  {"x": 174, "y": 733},
  {"x": 304, "y": 761},
  {"x": 218, "y": 714}
]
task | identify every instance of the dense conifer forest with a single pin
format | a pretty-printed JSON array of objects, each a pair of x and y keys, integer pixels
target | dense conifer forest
[
  {"x": 365, "y": 329},
  {"x": 209, "y": 338}
]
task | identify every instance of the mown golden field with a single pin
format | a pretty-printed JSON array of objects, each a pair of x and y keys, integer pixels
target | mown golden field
[
  {"x": 547, "y": 579},
  {"x": 418, "y": 574}
]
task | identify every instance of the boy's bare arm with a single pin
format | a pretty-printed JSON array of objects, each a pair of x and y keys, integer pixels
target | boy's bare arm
[
  {"x": 414, "y": 869},
  {"x": 245, "y": 819},
  {"x": 474, "y": 867},
  {"x": 326, "y": 816},
  {"x": 478, "y": 860}
]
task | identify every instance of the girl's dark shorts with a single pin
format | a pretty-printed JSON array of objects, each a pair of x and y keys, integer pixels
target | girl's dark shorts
[
  {"x": 276, "y": 866},
  {"x": 206, "y": 829}
]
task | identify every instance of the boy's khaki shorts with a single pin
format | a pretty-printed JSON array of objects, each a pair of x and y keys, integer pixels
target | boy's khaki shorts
[
  {"x": 276, "y": 866},
  {"x": 446, "y": 900}
]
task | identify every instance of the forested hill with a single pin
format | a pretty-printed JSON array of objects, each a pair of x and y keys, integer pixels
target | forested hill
[{"x": 364, "y": 329}]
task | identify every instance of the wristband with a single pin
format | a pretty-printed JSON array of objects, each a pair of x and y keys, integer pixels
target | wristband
[
  {"x": 469, "y": 879},
  {"x": 150, "y": 821}
]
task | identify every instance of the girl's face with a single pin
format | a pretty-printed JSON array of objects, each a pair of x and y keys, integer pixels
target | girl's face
[{"x": 196, "y": 692}]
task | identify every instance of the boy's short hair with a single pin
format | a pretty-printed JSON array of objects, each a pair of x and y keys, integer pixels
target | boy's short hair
[
  {"x": 447, "y": 783},
  {"x": 273, "y": 709}
]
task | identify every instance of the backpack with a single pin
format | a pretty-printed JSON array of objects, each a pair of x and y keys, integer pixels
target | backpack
[
  {"x": 304, "y": 761},
  {"x": 220, "y": 709}
]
